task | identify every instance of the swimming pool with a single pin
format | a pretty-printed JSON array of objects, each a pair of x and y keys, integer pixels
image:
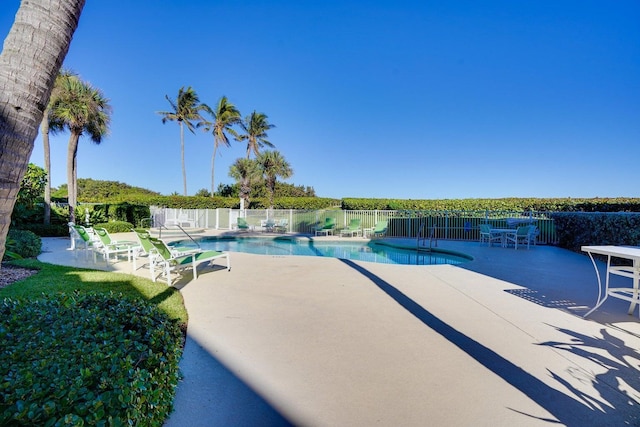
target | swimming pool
[{"x": 353, "y": 250}]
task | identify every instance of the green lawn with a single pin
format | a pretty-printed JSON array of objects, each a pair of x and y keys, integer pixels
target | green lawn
[{"x": 60, "y": 279}]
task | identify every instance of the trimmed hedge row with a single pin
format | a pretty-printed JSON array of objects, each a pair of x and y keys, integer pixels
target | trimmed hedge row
[
  {"x": 195, "y": 202},
  {"x": 87, "y": 359},
  {"x": 576, "y": 229},
  {"x": 115, "y": 226},
  {"x": 619, "y": 204}
]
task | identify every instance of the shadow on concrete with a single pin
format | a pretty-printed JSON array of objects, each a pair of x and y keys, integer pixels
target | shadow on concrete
[
  {"x": 217, "y": 397},
  {"x": 567, "y": 410},
  {"x": 622, "y": 364}
]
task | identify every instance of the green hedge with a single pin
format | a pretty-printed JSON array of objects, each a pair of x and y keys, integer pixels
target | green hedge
[
  {"x": 25, "y": 243},
  {"x": 51, "y": 230},
  {"x": 619, "y": 204},
  {"x": 576, "y": 229},
  {"x": 116, "y": 226},
  {"x": 129, "y": 212},
  {"x": 86, "y": 359}
]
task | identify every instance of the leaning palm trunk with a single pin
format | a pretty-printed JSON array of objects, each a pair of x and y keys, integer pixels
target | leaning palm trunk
[
  {"x": 31, "y": 57},
  {"x": 44, "y": 131}
]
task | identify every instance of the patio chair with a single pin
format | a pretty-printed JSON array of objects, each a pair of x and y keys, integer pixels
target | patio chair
[
  {"x": 281, "y": 226},
  {"x": 326, "y": 228},
  {"x": 487, "y": 234},
  {"x": 242, "y": 225},
  {"x": 268, "y": 224},
  {"x": 380, "y": 229},
  {"x": 521, "y": 234},
  {"x": 110, "y": 246},
  {"x": 168, "y": 260},
  {"x": 354, "y": 228},
  {"x": 145, "y": 249},
  {"x": 82, "y": 235}
]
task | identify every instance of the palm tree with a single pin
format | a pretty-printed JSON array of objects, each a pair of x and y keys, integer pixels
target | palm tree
[
  {"x": 185, "y": 110},
  {"x": 34, "y": 52},
  {"x": 224, "y": 117},
  {"x": 83, "y": 110},
  {"x": 44, "y": 131},
  {"x": 255, "y": 127},
  {"x": 245, "y": 172},
  {"x": 273, "y": 165}
]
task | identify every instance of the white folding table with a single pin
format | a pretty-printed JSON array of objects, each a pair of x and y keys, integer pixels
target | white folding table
[{"x": 630, "y": 294}]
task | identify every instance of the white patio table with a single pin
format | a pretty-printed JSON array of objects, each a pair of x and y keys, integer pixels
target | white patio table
[
  {"x": 503, "y": 234},
  {"x": 630, "y": 294}
]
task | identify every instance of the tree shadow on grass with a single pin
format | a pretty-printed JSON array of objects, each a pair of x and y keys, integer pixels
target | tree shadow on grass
[{"x": 567, "y": 410}]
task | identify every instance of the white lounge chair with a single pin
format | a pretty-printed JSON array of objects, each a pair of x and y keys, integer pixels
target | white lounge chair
[{"x": 168, "y": 260}]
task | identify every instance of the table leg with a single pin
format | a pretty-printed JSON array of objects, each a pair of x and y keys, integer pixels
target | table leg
[
  {"x": 600, "y": 301},
  {"x": 636, "y": 279}
]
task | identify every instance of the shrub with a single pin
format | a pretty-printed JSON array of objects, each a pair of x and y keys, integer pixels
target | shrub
[
  {"x": 51, "y": 230},
  {"x": 116, "y": 226},
  {"x": 86, "y": 359},
  {"x": 25, "y": 243},
  {"x": 576, "y": 229}
]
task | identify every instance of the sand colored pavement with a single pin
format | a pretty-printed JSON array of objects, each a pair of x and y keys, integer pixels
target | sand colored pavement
[{"x": 317, "y": 341}]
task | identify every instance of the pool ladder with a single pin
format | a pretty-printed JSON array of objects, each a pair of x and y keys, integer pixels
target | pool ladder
[{"x": 422, "y": 237}]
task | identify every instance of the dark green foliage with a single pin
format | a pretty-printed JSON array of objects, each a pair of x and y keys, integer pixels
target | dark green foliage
[
  {"x": 259, "y": 189},
  {"x": 203, "y": 192},
  {"x": 86, "y": 359},
  {"x": 97, "y": 191},
  {"x": 32, "y": 186},
  {"x": 51, "y": 230},
  {"x": 575, "y": 229},
  {"x": 116, "y": 226},
  {"x": 507, "y": 204},
  {"x": 133, "y": 213},
  {"x": 25, "y": 243}
]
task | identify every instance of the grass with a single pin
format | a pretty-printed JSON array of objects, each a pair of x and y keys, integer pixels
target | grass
[{"x": 60, "y": 279}]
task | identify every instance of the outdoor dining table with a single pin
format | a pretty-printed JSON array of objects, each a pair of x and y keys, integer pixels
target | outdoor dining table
[
  {"x": 503, "y": 234},
  {"x": 630, "y": 294}
]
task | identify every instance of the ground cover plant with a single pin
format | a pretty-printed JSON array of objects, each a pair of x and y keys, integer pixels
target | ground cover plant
[{"x": 86, "y": 347}]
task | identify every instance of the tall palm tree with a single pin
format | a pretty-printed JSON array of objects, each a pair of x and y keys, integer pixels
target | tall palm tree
[
  {"x": 83, "y": 110},
  {"x": 224, "y": 117},
  {"x": 44, "y": 131},
  {"x": 273, "y": 165},
  {"x": 185, "y": 110},
  {"x": 246, "y": 172},
  {"x": 255, "y": 127},
  {"x": 29, "y": 62}
]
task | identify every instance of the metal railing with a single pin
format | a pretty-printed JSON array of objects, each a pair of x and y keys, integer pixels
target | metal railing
[{"x": 451, "y": 225}]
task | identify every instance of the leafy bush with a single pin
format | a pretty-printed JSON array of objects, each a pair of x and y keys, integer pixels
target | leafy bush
[
  {"x": 52, "y": 230},
  {"x": 116, "y": 226},
  {"x": 619, "y": 204},
  {"x": 25, "y": 243},
  {"x": 576, "y": 229},
  {"x": 86, "y": 359}
]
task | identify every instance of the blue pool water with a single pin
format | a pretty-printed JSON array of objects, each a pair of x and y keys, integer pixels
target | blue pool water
[{"x": 360, "y": 251}]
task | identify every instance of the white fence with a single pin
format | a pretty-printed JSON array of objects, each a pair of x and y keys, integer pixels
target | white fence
[{"x": 455, "y": 225}]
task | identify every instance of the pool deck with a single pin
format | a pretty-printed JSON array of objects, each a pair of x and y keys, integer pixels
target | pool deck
[{"x": 311, "y": 341}]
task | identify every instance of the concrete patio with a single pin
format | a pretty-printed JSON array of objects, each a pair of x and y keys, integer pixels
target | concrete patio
[{"x": 497, "y": 341}]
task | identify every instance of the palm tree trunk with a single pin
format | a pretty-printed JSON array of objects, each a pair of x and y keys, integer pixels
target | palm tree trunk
[
  {"x": 32, "y": 54},
  {"x": 72, "y": 151},
  {"x": 213, "y": 159},
  {"x": 44, "y": 131},
  {"x": 184, "y": 170}
]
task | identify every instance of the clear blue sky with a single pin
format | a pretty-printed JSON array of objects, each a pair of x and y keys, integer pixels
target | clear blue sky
[{"x": 388, "y": 99}]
